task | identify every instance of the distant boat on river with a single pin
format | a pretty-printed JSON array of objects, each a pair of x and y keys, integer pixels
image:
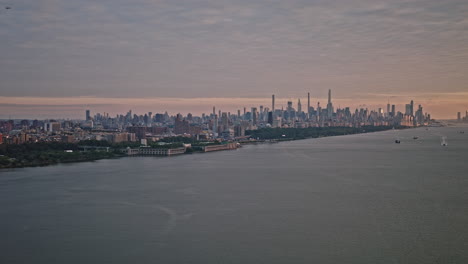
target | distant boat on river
[{"x": 444, "y": 142}]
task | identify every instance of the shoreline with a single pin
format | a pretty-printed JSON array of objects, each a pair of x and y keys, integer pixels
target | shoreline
[{"x": 114, "y": 155}]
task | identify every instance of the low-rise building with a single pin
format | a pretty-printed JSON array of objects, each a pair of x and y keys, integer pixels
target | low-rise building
[
  {"x": 227, "y": 146},
  {"x": 154, "y": 151}
]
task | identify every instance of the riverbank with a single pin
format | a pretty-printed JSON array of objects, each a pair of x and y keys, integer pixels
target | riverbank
[
  {"x": 44, "y": 154},
  {"x": 312, "y": 132},
  {"x": 53, "y": 158}
]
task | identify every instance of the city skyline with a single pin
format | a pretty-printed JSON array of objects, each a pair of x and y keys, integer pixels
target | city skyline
[
  {"x": 219, "y": 124},
  {"x": 72, "y": 108},
  {"x": 366, "y": 51}
]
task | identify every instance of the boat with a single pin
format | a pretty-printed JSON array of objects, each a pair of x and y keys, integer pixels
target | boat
[
  {"x": 397, "y": 140},
  {"x": 444, "y": 142},
  {"x": 415, "y": 137}
]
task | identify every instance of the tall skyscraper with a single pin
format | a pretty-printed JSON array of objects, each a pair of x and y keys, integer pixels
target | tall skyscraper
[
  {"x": 224, "y": 120},
  {"x": 88, "y": 115},
  {"x": 215, "y": 125},
  {"x": 412, "y": 107},
  {"x": 408, "y": 109},
  {"x": 459, "y": 116},
  {"x": 308, "y": 104},
  {"x": 214, "y": 110},
  {"x": 299, "y": 106},
  {"x": 289, "y": 110},
  {"x": 329, "y": 105},
  {"x": 273, "y": 103}
]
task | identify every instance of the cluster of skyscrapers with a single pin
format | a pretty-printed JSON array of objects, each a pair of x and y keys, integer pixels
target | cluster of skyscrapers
[
  {"x": 217, "y": 124},
  {"x": 229, "y": 125}
]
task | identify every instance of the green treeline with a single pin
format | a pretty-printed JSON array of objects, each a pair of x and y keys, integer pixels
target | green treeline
[
  {"x": 47, "y": 153},
  {"x": 310, "y": 132}
]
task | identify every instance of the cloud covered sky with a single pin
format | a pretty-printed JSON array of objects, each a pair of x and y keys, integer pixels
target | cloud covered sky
[{"x": 364, "y": 50}]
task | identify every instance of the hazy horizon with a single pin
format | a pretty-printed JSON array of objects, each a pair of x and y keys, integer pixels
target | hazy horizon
[{"x": 74, "y": 107}]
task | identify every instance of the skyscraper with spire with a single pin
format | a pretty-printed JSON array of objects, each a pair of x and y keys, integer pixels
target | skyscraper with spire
[{"x": 299, "y": 106}]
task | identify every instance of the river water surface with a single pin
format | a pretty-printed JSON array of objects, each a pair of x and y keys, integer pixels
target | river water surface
[{"x": 346, "y": 199}]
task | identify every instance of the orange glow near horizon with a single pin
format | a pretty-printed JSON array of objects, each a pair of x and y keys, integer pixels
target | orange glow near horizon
[{"x": 439, "y": 105}]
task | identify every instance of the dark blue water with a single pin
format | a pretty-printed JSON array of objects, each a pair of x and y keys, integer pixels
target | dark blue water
[{"x": 348, "y": 199}]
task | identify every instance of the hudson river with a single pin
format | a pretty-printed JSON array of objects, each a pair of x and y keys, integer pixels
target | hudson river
[{"x": 346, "y": 199}]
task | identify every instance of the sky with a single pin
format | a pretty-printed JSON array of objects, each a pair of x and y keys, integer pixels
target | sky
[{"x": 59, "y": 57}]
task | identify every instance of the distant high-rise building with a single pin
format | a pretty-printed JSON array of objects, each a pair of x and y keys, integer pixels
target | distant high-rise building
[
  {"x": 215, "y": 125},
  {"x": 419, "y": 117},
  {"x": 459, "y": 116},
  {"x": 408, "y": 109},
  {"x": 329, "y": 105},
  {"x": 270, "y": 118},
  {"x": 254, "y": 116},
  {"x": 273, "y": 103},
  {"x": 289, "y": 111},
  {"x": 224, "y": 121},
  {"x": 181, "y": 126},
  {"x": 214, "y": 110},
  {"x": 393, "y": 111},
  {"x": 88, "y": 115},
  {"x": 299, "y": 106},
  {"x": 412, "y": 107}
]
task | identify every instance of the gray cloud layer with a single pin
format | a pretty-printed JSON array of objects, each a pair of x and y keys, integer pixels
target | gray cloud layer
[{"x": 241, "y": 48}]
